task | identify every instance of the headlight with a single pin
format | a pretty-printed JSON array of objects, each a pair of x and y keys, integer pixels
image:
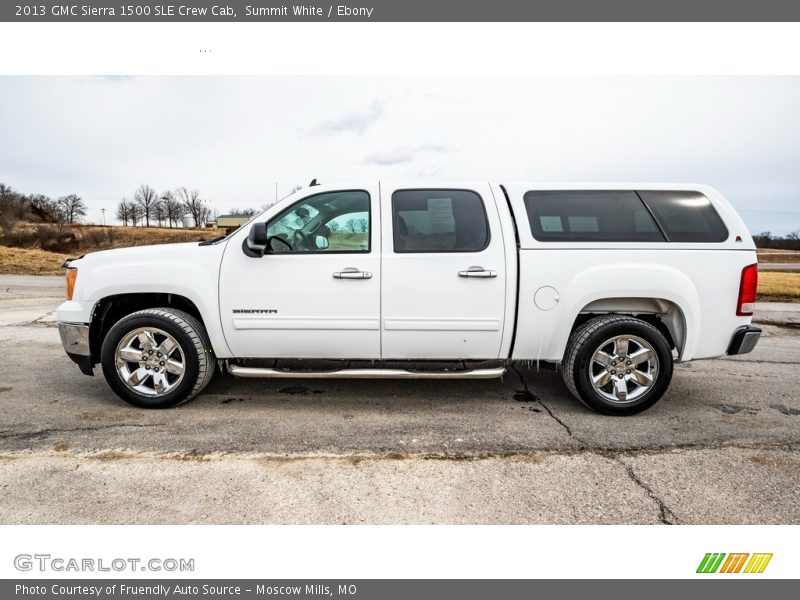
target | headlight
[{"x": 72, "y": 275}]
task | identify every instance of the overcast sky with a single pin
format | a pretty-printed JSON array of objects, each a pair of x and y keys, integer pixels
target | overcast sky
[{"x": 234, "y": 137}]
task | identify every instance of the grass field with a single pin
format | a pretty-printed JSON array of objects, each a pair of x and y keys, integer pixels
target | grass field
[
  {"x": 778, "y": 256},
  {"x": 98, "y": 237},
  {"x": 778, "y": 286},
  {"x": 21, "y": 253},
  {"x": 24, "y": 261}
]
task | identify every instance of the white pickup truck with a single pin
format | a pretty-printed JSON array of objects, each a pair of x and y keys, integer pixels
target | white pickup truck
[{"x": 612, "y": 283}]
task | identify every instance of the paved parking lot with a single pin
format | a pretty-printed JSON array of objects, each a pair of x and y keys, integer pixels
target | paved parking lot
[{"x": 722, "y": 447}]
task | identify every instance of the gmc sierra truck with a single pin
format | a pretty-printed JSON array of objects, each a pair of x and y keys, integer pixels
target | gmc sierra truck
[{"x": 610, "y": 283}]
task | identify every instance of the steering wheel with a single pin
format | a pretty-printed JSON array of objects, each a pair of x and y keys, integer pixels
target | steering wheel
[
  {"x": 277, "y": 238},
  {"x": 300, "y": 235}
]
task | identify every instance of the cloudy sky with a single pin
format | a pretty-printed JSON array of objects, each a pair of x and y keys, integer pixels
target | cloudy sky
[{"x": 233, "y": 138}]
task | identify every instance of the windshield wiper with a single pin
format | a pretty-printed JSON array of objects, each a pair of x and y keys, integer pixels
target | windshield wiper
[{"x": 212, "y": 241}]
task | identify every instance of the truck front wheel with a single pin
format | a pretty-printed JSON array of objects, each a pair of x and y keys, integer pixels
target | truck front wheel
[
  {"x": 157, "y": 358},
  {"x": 617, "y": 365}
]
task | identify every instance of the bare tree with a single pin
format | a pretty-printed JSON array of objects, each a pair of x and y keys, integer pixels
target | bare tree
[
  {"x": 173, "y": 209},
  {"x": 61, "y": 216},
  {"x": 72, "y": 207},
  {"x": 357, "y": 225},
  {"x": 12, "y": 207},
  {"x": 147, "y": 200},
  {"x": 124, "y": 210},
  {"x": 160, "y": 212},
  {"x": 43, "y": 208},
  {"x": 193, "y": 205},
  {"x": 136, "y": 213},
  {"x": 243, "y": 212}
]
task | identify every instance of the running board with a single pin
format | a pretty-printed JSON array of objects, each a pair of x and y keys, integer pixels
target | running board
[{"x": 260, "y": 372}]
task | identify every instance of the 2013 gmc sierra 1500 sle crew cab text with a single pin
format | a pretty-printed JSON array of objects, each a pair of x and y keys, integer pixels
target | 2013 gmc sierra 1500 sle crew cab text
[{"x": 612, "y": 283}]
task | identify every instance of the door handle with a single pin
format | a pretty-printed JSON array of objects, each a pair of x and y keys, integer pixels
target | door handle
[
  {"x": 352, "y": 273},
  {"x": 477, "y": 272}
]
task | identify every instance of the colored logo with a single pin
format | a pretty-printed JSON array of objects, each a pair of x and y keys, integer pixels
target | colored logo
[{"x": 719, "y": 562}]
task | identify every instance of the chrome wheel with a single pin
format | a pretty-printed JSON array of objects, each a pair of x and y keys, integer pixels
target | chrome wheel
[
  {"x": 150, "y": 361},
  {"x": 623, "y": 368}
]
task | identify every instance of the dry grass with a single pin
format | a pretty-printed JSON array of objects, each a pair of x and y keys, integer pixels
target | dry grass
[
  {"x": 20, "y": 252},
  {"x": 143, "y": 236},
  {"x": 122, "y": 237},
  {"x": 21, "y": 261},
  {"x": 778, "y": 286},
  {"x": 770, "y": 255}
]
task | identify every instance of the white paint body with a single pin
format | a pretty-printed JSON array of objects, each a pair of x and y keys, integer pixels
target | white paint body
[{"x": 415, "y": 306}]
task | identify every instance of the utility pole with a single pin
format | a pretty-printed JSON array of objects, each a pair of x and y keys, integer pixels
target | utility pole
[
  {"x": 103, "y": 210},
  {"x": 276, "y": 191}
]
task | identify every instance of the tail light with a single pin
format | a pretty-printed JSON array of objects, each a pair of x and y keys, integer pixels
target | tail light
[
  {"x": 72, "y": 275},
  {"x": 747, "y": 291}
]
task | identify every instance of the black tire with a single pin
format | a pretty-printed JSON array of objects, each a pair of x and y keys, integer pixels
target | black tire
[
  {"x": 577, "y": 367},
  {"x": 194, "y": 345}
]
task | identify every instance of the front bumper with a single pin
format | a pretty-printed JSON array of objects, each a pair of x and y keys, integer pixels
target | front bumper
[
  {"x": 75, "y": 339},
  {"x": 744, "y": 340}
]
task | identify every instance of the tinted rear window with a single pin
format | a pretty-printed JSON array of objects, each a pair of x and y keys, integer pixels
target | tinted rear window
[
  {"x": 686, "y": 216},
  {"x": 439, "y": 221},
  {"x": 590, "y": 216}
]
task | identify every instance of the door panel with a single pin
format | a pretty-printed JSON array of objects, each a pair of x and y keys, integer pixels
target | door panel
[
  {"x": 308, "y": 303},
  {"x": 443, "y": 269}
]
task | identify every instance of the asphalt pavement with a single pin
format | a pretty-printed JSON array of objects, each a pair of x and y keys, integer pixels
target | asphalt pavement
[
  {"x": 779, "y": 266},
  {"x": 723, "y": 446}
]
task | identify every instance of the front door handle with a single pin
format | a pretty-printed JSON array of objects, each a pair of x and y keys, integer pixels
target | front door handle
[
  {"x": 352, "y": 273},
  {"x": 477, "y": 272}
]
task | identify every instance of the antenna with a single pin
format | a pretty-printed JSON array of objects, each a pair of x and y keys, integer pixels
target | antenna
[{"x": 313, "y": 183}]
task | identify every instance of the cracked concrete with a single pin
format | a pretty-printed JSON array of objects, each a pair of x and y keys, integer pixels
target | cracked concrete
[
  {"x": 666, "y": 516},
  {"x": 723, "y": 446}
]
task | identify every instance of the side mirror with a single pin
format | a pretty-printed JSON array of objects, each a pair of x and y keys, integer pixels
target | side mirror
[
  {"x": 255, "y": 244},
  {"x": 321, "y": 242}
]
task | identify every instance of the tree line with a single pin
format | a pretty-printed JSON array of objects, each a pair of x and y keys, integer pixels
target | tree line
[
  {"x": 790, "y": 241},
  {"x": 16, "y": 206},
  {"x": 165, "y": 208},
  {"x": 146, "y": 206}
]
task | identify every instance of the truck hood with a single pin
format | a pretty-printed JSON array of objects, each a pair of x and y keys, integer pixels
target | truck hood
[
  {"x": 187, "y": 269},
  {"x": 156, "y": 254}
]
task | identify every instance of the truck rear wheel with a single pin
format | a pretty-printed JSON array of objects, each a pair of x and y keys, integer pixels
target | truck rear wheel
[
  {"x": 617, "y": 365},
  {"x": 157, "y": 358}
]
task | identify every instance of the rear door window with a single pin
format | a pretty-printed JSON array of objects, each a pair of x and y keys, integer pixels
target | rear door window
[
  {"x": 439, "y": 221},
  {"x": 686, "y": 216},
  {"x": 590, "y": 216}
]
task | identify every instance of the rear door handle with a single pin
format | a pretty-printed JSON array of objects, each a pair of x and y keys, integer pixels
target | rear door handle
[
  {"x": 477, "y": 272},
  {"x": 352, "y": 273}
]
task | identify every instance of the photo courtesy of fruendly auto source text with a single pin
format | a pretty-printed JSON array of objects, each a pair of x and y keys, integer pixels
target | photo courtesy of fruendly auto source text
[{"x": 377, "y": 300}]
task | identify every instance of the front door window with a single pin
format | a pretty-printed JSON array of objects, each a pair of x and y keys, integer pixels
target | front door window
[{"x": 330, "y": 222}]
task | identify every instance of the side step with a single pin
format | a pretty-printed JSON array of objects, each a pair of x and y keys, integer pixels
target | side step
[{"x": 261, "y": 372}]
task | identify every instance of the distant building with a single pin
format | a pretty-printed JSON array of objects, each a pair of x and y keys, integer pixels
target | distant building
[
  {"x": 188, "y": 220},
  {"x": 231, "y": 222}
]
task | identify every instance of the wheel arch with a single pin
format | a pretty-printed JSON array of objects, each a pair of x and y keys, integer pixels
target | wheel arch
[
  {"x": 665, "y": 315},
  {"x": 663, "y": 295},
  {"x": 110, "y": 309}
]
